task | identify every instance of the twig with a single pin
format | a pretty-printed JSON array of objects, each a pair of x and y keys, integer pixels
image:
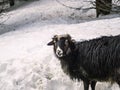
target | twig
[
  {"x": 5, "y": 19},
  {"x": 79, "y": 8},
  {"x": 75, "y": 8}
]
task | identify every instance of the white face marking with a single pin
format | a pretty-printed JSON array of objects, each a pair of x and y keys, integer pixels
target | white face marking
[{"x": 59, "y": 52}]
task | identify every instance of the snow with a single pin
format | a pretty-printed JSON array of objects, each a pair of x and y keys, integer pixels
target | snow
[{"x": 27, "y": 63}]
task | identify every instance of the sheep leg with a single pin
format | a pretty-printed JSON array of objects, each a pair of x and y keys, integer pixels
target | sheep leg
[
  {"x": 86, "y": 85},
  {"x": 118, "y": 77},
  {"x": 118, "y": 82},
  {"x": 93, "y": 83}
]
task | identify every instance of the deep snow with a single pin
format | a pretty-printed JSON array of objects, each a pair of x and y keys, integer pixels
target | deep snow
[{"x": 27, "y": 63}]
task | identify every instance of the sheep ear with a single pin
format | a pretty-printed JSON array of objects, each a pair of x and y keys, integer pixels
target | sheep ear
[
  {"x": 73, "y": 40},
  {"x": 50, "y": 43},
  {"x": 73, "y": 44},
  {"x": 53, "y": 40},
  {"x": 69, "y": 37}
]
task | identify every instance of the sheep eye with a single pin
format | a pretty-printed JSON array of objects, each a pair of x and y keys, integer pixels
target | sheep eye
[
  {"x": 66, "y": 42},
  {"x": 54, "y": 40}
]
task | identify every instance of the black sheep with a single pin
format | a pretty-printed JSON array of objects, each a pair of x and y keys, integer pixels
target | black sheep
[{"x": 90, "y": 61}]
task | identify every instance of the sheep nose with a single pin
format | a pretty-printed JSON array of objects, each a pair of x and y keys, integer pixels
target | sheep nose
[{"x": 59, "y": 52}]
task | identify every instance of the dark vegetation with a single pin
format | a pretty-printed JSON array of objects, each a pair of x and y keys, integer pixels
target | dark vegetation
[{"x": 103, "y": 7}]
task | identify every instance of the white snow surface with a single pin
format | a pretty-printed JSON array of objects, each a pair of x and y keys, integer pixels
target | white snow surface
[{"x": 27, "y": 63}]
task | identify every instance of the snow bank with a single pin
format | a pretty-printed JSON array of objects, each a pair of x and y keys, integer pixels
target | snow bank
[{"x": 27, "y": 63}]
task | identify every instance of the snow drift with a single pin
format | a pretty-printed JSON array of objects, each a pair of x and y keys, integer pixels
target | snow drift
[{"x": 26, "y": 63}]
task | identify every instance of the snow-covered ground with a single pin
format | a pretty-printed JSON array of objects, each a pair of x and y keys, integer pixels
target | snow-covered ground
[{"x": 27, "y": 63}]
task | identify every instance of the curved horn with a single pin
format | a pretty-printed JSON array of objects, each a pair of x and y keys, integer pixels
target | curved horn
[{"x": 55, "y": 36}]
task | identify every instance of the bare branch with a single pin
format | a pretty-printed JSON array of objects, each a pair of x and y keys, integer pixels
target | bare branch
[
  {"x": 79, "y": 8},
  {"x": 75, "y": 8},
  {"x": 2, "y": 15}
]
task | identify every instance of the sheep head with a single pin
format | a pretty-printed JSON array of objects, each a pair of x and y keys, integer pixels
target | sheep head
[{"x": 62, "y": 44}]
